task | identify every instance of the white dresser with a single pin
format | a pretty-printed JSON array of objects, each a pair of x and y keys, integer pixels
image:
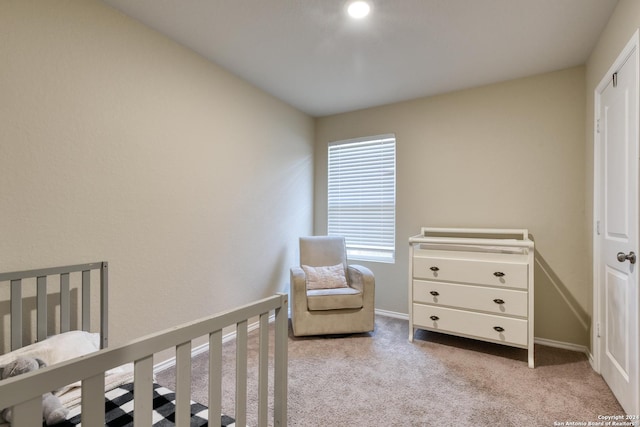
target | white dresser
[{"x": 476, "y": 283}]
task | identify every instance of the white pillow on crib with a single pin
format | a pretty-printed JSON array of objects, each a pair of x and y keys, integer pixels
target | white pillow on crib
[{"x": 56, "y": 349}]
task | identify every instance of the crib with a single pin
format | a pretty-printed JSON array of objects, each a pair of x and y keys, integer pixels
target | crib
[{"x": 90, "y": 371}]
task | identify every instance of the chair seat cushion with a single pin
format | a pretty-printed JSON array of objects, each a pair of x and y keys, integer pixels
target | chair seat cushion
[{"x": 333, "y": 299}]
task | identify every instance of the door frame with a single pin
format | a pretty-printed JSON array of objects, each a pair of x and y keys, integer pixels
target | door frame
[{"x": 632, "y": 44}]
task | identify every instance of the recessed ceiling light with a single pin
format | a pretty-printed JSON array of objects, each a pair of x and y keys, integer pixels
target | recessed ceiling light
[{"x": 358, "y": 9}]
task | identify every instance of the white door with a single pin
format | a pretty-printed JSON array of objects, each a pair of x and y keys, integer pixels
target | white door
[{"x": 618, "y": 198}]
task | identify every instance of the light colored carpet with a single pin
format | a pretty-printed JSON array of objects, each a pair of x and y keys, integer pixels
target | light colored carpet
[{"x": 380, "y": 379}]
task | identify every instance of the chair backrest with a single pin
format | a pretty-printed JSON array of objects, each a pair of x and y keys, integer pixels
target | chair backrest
[{"x": 322, "y": 251}]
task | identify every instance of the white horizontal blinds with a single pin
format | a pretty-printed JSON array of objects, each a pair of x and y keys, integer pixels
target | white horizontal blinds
[{"x": 362, "y": 196}]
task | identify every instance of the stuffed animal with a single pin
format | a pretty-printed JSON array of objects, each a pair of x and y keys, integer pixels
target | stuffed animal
[{"x": 52, "y": 409}]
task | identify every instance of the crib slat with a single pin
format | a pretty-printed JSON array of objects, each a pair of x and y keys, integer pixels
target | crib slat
[
  {"x": 241, "y": 373},
  {"x": 93, "y": 400},
  {"x": 42, "y": 307},
  {"x": 16, "y": 314},
  {"x": 92, "y": 367},
  {"x": 263, "y": 370},
  {"x": 16, "y": 278},
  {"x": 65, "y": 303},
  {"x": 143, "y": 392},
  {"x": 280, "y": 365},
  {"x": 183, "y": 384},
  {"x": 215, "y": 374},
  {"x": 86, "y": 300},
  {"x": 28, "y": 413},
  {"x": 104, "y": 299}
]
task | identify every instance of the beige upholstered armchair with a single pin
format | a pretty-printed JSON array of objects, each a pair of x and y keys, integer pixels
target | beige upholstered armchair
[{"x": 327, "y": 295}]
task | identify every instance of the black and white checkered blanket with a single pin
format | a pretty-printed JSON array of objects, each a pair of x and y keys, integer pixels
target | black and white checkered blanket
[{"x": 119, "y": 409}]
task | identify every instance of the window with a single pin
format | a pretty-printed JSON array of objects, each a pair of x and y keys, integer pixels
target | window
[{"x": 362, "y": 196}]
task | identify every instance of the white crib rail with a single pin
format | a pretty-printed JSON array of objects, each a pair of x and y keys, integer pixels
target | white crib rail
[
  {"x": 24, "y": 392},
  {"x": 16, "y": 280}
]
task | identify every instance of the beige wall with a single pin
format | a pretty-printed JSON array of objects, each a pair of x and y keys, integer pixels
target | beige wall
[
  {"x": 509, "y": 155},
  {"x": 117, "y": 144},
  {"x": 623, "y": 23}
]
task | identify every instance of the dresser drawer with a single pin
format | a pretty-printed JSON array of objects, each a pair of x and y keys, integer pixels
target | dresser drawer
[
  {"x": 493, "y": 300},
  {"x": 509, "y": 275},
  {"x": 490, "y": 327}
]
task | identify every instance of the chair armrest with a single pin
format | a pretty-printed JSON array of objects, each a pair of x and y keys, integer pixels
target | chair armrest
[
  {"x": 361, "y": 278},
  {"x": 298, "y": 289}
]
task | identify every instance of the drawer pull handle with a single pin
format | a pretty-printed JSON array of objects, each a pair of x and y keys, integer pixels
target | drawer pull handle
[
  {"x": 498, "y": 301},
  {"x": 434, "y": 318},
  {"x": 498, "y": 274},
  {"x": 499, "y": 328},
  {"x": 434, "y": 293},
  {"x": 434, "y": 268}
]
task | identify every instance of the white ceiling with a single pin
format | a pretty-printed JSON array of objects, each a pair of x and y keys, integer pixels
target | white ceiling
[{"x": 311, "y": 55}]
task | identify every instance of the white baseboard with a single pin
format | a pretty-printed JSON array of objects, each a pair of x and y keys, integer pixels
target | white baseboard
[
  {"x": 394, "y": 314},
  {"x": 592, "y": 361},
  {"x": 169, "y": 363},
  {"x": 402, "y": 316},
  {"x": 195, "y": 351},
  {"x": 564, "y": 345}
]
